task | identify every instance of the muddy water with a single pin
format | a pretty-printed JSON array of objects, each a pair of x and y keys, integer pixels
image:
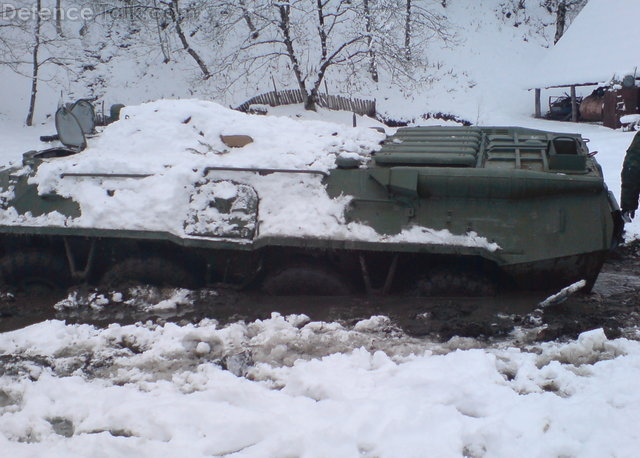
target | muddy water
[{"x": 613, "y": 305}]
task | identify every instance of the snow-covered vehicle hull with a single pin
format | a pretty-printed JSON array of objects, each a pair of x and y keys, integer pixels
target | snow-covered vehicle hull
[{"x": 323, "y": 210}]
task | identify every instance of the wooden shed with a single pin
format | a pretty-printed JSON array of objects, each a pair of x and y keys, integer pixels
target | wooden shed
[{"x": 601, "y": 46}]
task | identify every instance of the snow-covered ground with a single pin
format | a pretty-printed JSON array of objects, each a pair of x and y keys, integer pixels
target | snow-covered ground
[{"x": 289, "y": 387}]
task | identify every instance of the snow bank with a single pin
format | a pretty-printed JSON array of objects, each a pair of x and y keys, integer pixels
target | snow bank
[
  {"x": 290, "y": 387},
  {"x": 168, "y": 144}
]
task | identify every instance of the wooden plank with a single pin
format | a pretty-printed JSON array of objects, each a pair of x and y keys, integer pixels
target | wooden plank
[
  {"x": 574, "y": 105},
  {"x": 538, "y": 113}
]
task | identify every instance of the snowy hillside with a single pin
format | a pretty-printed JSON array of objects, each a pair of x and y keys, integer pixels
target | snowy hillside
[{"x": 472, "y": 71}]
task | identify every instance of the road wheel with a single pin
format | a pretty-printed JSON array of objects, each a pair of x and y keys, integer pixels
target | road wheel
[
  {"x": 34, "y": 272},
  {"x": 451, "y": 281},
  {"x": 148, "y": 271},
  {"x": 305, "y": 280}
]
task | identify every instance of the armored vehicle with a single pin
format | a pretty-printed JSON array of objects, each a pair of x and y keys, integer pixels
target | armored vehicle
[{"x": 428, "y": 211}]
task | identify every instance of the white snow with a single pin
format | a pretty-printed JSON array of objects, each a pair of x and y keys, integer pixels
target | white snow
[
  {"x": 146, "y": 298},
  {"x": 600, "y": 46},
  {"x": 313, "y": 389},
  {"x": 629, "y": 119},
  {"x": 168, "y": 144}
]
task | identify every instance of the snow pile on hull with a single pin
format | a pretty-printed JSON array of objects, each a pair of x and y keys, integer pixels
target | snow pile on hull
[{"x": 147, "y": 172}]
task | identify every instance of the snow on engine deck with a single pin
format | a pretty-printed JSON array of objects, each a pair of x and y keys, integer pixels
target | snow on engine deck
[
  {"x": 170, "y": 143},
  {"x": 288, "y": 386}
]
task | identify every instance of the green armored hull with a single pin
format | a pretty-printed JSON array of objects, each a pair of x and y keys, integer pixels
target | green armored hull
[
  {"x": 538, "y": 195},
  {"x": 436, "y": 210}
]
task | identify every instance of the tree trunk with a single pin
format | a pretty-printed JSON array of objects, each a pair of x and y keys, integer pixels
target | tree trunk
[
  {"x": 561, "y": 20},
  {"x": 285, "y": 28},
  {"x": 312, "y": 100},
  {"x": 373, "y": 67},
  {"x": 58, "y": 16},
  {"x": 407, "y": 31},
  {"x": 247, "y": 19},
  {"x": 321, "y": 30},
  {"x": 175, "y": 15},
  {"x": 162, "y": 38},
  {"x": 36, "y": 65}
]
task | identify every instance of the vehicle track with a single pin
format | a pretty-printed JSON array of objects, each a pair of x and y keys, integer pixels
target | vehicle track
[{"x": 614, "y": 305}]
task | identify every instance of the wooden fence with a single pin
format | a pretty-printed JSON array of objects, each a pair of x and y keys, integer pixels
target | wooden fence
[{"x": 332, "y": 102}]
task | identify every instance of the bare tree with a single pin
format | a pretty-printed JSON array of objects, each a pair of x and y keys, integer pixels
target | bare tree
[
  {"x": 29, "y": 42},
  {"x": 58, "y": 17},
  {"x": 180, "y": 17},
  {"x": 344, "y": 38},
  {"x": 301, "y": 41},
  {"x": 177, "y": 17},
  {"x": 407, "y": 30},
  {"x": 369, "y": 21},
  {"x": 564, "y": 11},
  {"x": 246, "y": 16},
  {"x": 163, "y": 40},
  {"x": 288, "y": 33},
  {"x": 422, "y": 24},
  {"x": 35, "y": 69}
]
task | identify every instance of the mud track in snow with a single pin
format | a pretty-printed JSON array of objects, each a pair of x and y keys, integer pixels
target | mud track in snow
[{"x": 613, "y": 305}]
